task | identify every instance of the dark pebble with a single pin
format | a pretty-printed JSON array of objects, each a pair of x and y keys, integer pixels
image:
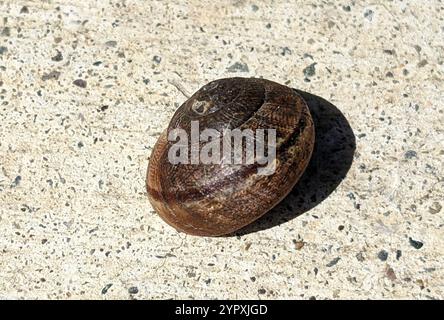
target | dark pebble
[
  {"x": 157, "y": 59},
  {"x": 360, "y": 257},
  {"x": 415, "y": 244},
  {"x": 133, "y": 290},
  {"x": 390, "y": 52},
  {"x": 410, "y": 154},
  {"x": 369, "y": 14},
  {"x": 261, "y": 291},
  {"x": 398, "y": 254},
  {"x": 333, "y": 262},
  {"x": 238, "y": 66},
  {"x": 3, "y": 50},
  {"x": 390, "y": 273},
  {"x": 16, "y": 181},
  {"x": 285, "y": 50},
  {"x": 52, "y": 75},
  {"x": 57, "y": 57},
  {"x": 111, "y": 43},
  {"x": 80, "y": 83},
  {"x": 106, "y": 288},
  {"x": 6, "y": 32},
  {"x": 104, "y": 108},
  {"x": 422, "y": 63},
  {"x": 310, "y": 70},
  {"x": 435, "y": 208},
  {"x": 383, "y": 255}
]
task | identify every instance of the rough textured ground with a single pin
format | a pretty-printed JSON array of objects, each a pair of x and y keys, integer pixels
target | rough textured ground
[{"x": 87, "y": 86}]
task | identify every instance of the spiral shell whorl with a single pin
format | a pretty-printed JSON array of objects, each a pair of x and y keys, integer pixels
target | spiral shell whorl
[{"x": 214, "y": 199}]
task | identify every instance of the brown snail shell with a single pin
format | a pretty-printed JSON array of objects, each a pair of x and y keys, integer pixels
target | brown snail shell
[{"x": 214, "y": 199}]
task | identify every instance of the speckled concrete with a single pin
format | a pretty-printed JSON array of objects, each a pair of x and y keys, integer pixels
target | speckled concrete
[{"x": 87, "y": 86}]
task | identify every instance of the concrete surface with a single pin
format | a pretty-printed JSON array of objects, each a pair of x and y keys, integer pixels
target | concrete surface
[{"x": 87, "y": 86}]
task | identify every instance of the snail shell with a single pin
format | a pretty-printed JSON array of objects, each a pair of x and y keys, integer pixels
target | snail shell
[{"x": 217, "y": 199}]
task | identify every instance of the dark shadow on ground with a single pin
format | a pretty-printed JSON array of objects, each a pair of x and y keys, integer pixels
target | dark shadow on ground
[{"x": 331, "y": 159}]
